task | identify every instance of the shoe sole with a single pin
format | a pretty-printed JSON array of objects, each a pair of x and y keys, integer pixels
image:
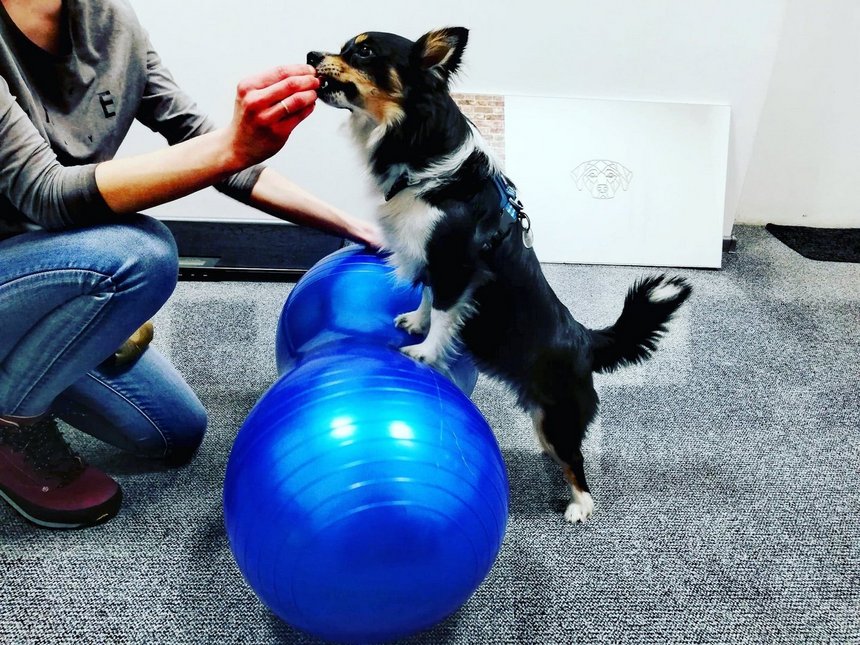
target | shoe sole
[{"x": 104, "y": 517}]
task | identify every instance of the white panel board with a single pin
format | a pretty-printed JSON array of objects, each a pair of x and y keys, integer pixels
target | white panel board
[{"x": 620, "y": 182}]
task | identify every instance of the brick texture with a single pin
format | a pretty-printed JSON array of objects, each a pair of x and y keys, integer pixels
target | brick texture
[{"x": 487, "y": 112}]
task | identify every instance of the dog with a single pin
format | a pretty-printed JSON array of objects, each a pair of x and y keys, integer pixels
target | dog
[{"x": 451, "y": 222}]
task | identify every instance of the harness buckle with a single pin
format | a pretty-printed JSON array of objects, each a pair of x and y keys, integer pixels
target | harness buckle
[
  {"x": 511, "y": 204},
  {"x": 526, "y": 225}
]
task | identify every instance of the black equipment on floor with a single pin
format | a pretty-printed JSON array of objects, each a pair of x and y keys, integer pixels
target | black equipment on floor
[{"x": 248, "y": 251}]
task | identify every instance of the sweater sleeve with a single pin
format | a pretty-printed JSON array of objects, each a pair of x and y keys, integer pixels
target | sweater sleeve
[
  {"x": 49, "y": 194},
  {"x": 167, "y": 110}
]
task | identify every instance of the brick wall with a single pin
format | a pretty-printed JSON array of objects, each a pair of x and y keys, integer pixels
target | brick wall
[{"x": 487, "y": 112}]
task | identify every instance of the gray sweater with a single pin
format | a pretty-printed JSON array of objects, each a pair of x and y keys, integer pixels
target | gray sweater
[{"x": 62, "y": 115}]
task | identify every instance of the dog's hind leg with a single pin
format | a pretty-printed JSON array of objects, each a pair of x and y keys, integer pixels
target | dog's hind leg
[
  {"x": 418, "y": 321},
  {"x": 561, "y": 429},
  {"x": 582, "y": 503}
]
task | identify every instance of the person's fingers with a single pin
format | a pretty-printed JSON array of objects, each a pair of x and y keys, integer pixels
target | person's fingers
[
  {"x": 271, "y": 76},
  {"x": 288, "y": 107},
  {"x": 285, "y": 127},
  {"x": 269, "y": 97}
]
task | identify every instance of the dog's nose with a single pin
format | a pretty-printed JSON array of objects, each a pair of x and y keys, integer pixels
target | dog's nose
[{"x": 315, "y": 58}]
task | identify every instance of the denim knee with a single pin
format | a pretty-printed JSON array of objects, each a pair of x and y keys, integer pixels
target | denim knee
[
  {"x": 146, "y": 408},
  {"x": 181, "y": 432},
  {"x": 151, "y": 261},
  {"x": 185, "y": 434},
  {"x": 72, "y": 297}
]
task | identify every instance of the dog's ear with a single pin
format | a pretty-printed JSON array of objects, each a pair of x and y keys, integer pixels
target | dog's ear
[
  {"x": 579, "y": 173},
  {"x": 441, "y": 51},
  {"x": 626, "y": 176}
]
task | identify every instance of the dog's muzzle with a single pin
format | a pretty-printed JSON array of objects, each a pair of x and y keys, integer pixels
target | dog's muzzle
[{"x": 315, "y": 59}]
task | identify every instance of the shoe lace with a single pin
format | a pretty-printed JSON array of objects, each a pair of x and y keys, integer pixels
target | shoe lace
[{"x": 44, "y": 447}]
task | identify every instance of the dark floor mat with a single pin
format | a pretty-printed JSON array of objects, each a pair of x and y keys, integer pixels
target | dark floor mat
[{"x": 828, "y": 244}]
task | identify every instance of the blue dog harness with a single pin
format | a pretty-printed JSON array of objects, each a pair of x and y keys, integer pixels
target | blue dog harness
[{"x": 512, "y": 213}]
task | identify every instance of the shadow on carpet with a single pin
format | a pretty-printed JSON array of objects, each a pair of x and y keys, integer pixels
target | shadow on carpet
[{"x": 827, "y": 244}]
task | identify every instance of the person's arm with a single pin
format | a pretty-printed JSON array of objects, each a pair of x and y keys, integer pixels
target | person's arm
[
  {"x": 276, "y": 195},
  {"x": 55, "y": 196},
  {"x": 166, "y": 109},
  {"x": 34, "y": 182},
  {"x": 268, "y": 108}
]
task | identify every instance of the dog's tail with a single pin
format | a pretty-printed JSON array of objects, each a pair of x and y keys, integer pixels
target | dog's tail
[{"x": 649, "y": 305}]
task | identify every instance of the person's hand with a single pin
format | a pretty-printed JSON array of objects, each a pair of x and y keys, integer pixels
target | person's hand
[
  {"x": 268, "y": 108},
  {"x": 365, "y": 232}
]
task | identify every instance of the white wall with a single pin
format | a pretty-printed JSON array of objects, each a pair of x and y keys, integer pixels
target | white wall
[
  {"x": 806, "y": 159},
  {"x": 705, "y": 51}
]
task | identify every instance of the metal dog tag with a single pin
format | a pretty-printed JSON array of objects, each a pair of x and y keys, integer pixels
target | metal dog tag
[{"x": 528, "y": 236}]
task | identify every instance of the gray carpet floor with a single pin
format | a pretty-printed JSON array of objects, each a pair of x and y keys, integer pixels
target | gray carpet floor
[{"x": 725, "y": 474}]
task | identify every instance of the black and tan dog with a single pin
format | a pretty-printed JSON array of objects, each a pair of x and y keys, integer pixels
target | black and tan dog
[{"x": 452, "y": 222}]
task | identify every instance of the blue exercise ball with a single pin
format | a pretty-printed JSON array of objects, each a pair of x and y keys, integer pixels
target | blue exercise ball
[
  {"x": 365, "y": 498},
  {"x": 353, "y": 293}
]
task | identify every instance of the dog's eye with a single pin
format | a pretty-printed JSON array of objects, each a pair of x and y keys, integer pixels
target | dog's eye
[{"x": 364, "y": 52}]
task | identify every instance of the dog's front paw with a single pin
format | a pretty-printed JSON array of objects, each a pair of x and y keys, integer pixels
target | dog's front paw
[
  {"x": 580, "y": 509},
  {"x": 419, "y": 353},
  {"x": 413, "y": 322}
]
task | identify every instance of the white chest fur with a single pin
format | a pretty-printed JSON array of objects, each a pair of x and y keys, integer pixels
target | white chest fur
[{"x": 407, "y": 222}]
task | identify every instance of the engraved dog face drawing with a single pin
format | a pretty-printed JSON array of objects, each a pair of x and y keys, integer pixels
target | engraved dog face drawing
[{"x": 601, "y": 177}]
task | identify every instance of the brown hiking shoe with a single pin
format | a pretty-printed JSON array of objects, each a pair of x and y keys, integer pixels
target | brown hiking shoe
[{"x": 50, "y": 485}]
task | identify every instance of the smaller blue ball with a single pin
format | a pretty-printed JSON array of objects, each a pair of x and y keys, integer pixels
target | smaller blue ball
[{"x": 353, "y": 293}]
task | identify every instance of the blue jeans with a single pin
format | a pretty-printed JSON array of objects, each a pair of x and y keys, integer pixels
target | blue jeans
[{"x": 68, "y": 300}]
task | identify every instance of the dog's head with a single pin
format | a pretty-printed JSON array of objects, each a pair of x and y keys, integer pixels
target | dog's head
[{"x": 375, "y": 72}]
